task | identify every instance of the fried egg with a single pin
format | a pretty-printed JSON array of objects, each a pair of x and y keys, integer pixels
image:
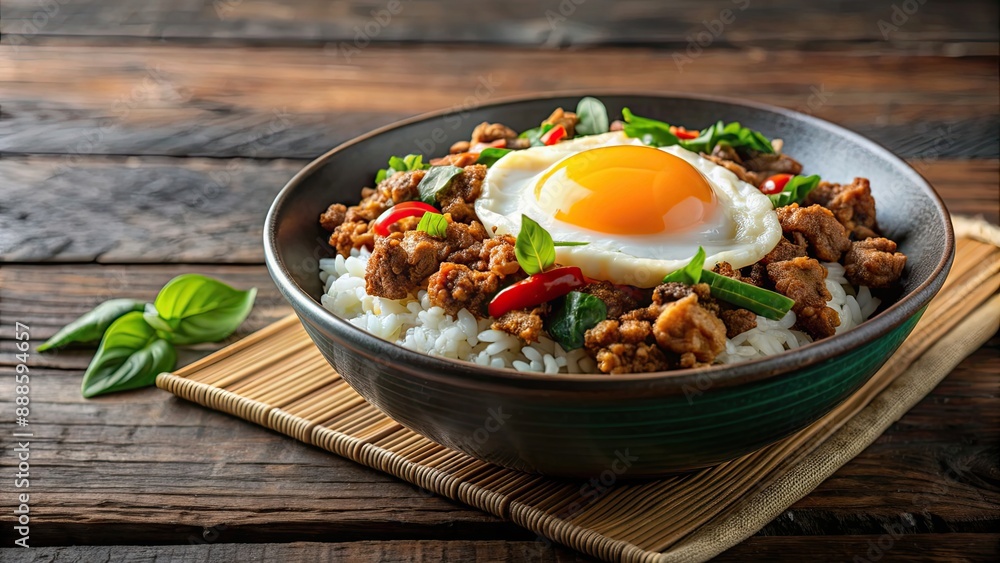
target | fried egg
[{"x": 642, "y": 211}]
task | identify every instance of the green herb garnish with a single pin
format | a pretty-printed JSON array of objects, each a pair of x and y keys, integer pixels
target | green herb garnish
[
  {"x": 730, "y": 134},
  {"x": 534, "y": 248},
  {"x": 650, "y": 131},
  {"x": 569, "y": 243},
  {"x": 535, "y": 135},
  {"x": 433, "y": 224},
  {"x": 437, "y": 179},
  {"x": 490, "y": 155},
  {"x": 91, "y": 326},
  {"x": 401, "y": 164},
  {"x": 572, "y": 316},
  {"x": 796, "y": 190},
  {"x": 767, "y": 304},
  {"x": 137, "y": 341},
  {"x": 131, "y": 355},
  {"x": 592, "y": 116},
  {"x": 690, "y": 274}
]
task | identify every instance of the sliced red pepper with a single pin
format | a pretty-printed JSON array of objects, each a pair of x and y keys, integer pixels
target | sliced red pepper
[
  {"x": 400, "y": 211},
  {"x": 553, "y": 136},
  {"x": 775, "y": 184},
  {"x": 682, "y": 133},
  {"x": 537, "y": 289}
]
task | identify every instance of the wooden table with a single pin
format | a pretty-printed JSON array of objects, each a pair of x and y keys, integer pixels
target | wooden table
[{"x": 141, "y": 140}]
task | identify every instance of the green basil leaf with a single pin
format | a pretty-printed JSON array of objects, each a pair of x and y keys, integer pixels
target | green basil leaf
[
  {"x": 535, "y": 135},
  {"x": 731, "y": 134},
  {"x": 401, "y": 164},
  {"x": 131, "y": 355},
  {"x": 433, "y": 224},
  {"x": 593, "y": 117},
  {"x": 489, "y": 156},
  {"x": 534, "y": 248},
  {"x": 572, "y": 316},
  {"x": 438, "y": 178},
  {"x": 796, "y": 190},
  {"x": 691, "y": 273},
  {"x": 569, "y": 243},
  {"x": 200, "y": 309},
  {"x": 767, "y": 304},
  {"x": 650, "y": 131},
  {"x": 91, "y": 326}
]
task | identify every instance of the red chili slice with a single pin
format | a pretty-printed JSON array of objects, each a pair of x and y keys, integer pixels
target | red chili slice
[
  {"x": 554, "y": 135},
  {"x": 537, "y": 289},
  {"x": 682, "y": 133},
  {"x": 775, "y": 184},
  {"x": 400, "y": 211}
]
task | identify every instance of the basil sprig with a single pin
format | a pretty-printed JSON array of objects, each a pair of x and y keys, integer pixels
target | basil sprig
[
  {"x": 490, "y": 155},
  {"x": 437, "y": 179},
  {"x": 650, "y": 131},
  {"x": 193, "y": 308},
  {"x": 767, "y": 304},
  {"x": 137, "y": 342},
  {"x": 401, "y": 164},
  {"x": 433, "y": 224},
  {"x": 657, "y": 134},
  {"x": 796, "y": 190},
  {"x": 731, "y": 134},
  {"x": 592, "y": 116},
  {"x": 131, "y": 355},
  {"x": 572, "y": 316},
  {"x": 534, "y": 248},
  {"x": 91, "y": 326}
]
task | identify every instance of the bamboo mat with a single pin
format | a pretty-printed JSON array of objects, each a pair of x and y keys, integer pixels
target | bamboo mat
[{"x": 278, "y": 379}]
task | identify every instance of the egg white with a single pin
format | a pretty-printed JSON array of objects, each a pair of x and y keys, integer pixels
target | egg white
[{"x": 744, "y": 228}]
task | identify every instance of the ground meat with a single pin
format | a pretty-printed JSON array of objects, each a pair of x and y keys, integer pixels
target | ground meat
[
  {"x": 401, "y": 186},
  {"x": 852, "y": 204},
  {"x": 460, "y": 160},
  {"x": 333, "y": 217},
  {"x": 351, "y": 234},
  {"x": 741, "y": 172},
  {"x": 498, "y": 256},
  {"x": 525, "y": 324},
  {"x": 458, "y": 198},
  {"x": 488, "y": 132},
  {"x": 827, "y": 238},
  {"x": 689, "y": 330},
  {"x": 737, "y": 321},
  {"x": 804, "y": 281},
  {"x": 625, "y": 347},
  {"x": 401, "y": 261},
  {"x": 565, "y": 118},
  {"x": 455, "y": 287},
  {"x": 755, "y": 274},
  {"x": 769, "y": 164},
  {"x": 874, "y": 262},
  {"x": 617, "y": 301},
  {"x": 785, "y": 250}
]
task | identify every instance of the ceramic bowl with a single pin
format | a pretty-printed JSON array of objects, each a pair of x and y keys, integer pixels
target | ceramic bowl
[{"x": 637, "y": 425}]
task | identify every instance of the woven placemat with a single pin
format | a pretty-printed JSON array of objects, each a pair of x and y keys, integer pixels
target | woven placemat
[{"x": 277, "y": 378}]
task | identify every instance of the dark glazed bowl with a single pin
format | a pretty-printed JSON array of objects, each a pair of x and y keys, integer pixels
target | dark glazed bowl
[{"x": 637, "y": 424}]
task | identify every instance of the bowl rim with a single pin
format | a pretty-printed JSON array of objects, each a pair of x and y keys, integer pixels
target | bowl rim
[{"x": 467, "y": 374}]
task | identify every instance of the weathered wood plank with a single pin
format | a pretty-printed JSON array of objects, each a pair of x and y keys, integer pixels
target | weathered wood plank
[
  {"x": 146, "y": 467},
  {"x": 187, "y": 100},
  {"x": 212, "y": 210},
  {"x": 516, "y": 22},
  {"x": 882, "y": 548}
]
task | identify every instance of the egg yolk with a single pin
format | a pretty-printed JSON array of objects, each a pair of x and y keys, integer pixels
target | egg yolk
[{"x": 626, "y": 190}]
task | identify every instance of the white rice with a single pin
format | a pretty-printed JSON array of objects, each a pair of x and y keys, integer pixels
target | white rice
[{"x": 415, "y": 324}]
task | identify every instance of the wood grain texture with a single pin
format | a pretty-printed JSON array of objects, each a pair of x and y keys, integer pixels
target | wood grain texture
[
  {"x": 550, "y": 22},
  {"x": 280, "y": 102},
  {"x": 883, "y": 548},
  {"x": 151, "y": 468},
  {"x": 200, "y": 210}
]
